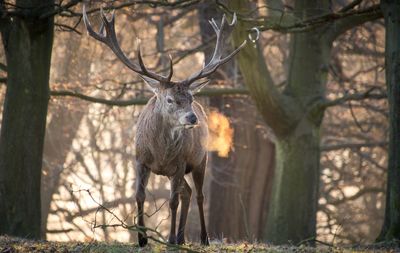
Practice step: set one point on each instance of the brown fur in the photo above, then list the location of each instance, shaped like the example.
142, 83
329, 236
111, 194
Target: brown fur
159, 146
165, 147
164, 144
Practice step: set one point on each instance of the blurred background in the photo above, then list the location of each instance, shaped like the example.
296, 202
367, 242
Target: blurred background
90, 145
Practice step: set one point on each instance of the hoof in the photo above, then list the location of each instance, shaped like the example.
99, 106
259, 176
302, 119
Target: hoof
172, 239
142, 241
204, 240
181, 240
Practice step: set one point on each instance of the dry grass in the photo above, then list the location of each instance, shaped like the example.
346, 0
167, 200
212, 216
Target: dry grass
12, 245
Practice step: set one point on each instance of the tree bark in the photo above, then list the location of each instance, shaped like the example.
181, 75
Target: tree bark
292, 215
28, 44
295, 117
391, 13
240, 184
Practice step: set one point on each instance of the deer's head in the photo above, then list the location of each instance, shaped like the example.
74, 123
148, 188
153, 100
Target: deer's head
174, 98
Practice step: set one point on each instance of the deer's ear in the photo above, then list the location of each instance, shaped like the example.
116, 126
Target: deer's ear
154, 85
197, 86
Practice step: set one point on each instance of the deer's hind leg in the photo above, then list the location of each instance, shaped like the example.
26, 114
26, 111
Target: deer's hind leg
185, 195
198, 179
142, 177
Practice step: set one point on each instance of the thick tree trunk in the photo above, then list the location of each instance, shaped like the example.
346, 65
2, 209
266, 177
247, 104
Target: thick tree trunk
240, 184
295, 116
391, 226
292, 215
28, 45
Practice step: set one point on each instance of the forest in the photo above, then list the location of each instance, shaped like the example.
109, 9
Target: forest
301, 100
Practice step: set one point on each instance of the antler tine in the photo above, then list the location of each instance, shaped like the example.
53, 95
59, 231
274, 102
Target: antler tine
110, 39
140, 59
107, 24
89, 28
234, 19
223, 31
171, 69
220, 37
214, 25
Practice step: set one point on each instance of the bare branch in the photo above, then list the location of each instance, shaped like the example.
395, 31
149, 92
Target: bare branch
351, 5
340, 21
128, 102
140, 229
354, 97
327, 148
67, 28
66, 9
357, 195
352, 19
143, 101
59, 231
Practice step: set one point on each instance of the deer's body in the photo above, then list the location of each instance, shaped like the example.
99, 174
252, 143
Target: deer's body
160, 145
171, 140
171, 134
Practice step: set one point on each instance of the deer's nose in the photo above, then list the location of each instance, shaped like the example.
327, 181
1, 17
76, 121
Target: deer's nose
192, 118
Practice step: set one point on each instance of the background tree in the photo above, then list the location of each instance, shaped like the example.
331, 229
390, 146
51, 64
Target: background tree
27, 42
240, 180
391, 13
294, 113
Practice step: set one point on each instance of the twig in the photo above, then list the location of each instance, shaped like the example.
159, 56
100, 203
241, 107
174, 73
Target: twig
355, 97
327, 148
136, 228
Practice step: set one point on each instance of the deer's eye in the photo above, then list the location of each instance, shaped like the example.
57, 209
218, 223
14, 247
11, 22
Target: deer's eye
169, 100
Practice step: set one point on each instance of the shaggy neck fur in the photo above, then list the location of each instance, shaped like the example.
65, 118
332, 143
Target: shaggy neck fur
169, 137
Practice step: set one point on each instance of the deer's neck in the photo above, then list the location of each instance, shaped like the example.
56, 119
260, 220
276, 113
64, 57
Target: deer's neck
168, 131
168, 138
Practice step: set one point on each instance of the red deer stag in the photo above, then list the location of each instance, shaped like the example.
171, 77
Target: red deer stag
172, 131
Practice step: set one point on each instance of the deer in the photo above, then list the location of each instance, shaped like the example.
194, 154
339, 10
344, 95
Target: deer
172, 132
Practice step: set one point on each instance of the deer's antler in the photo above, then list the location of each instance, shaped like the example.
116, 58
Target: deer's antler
109, 38
222, 32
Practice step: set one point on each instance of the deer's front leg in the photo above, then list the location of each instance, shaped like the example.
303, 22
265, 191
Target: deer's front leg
176, 188
142, 177
186, 193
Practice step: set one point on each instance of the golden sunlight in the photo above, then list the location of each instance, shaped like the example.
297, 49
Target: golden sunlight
221, 134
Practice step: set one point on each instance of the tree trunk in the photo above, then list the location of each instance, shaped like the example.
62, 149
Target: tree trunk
240, 183
292, 215
295, 117
391, 226
28, 45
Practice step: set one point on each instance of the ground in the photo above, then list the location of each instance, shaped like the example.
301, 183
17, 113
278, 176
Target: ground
13, 245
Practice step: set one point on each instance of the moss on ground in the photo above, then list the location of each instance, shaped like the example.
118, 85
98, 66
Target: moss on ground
14, 245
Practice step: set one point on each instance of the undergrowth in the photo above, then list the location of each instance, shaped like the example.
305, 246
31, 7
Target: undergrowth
14, 245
